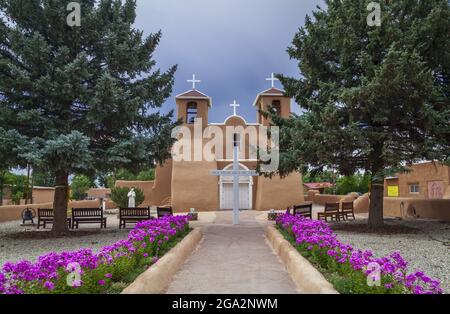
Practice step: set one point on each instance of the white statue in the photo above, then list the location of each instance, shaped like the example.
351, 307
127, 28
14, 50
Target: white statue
131, 198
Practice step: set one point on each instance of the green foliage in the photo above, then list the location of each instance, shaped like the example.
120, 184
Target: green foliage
80, 99
124, 174
374, 98
355, 183
79, 187
146, 175
119, 196
43, 177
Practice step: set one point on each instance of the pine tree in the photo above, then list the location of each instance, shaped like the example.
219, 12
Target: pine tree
85, 98
375, 98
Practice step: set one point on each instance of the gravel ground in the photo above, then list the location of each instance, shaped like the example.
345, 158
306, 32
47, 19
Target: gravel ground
12, 249
424, 250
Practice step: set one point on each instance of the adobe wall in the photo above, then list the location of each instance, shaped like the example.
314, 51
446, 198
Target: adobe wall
422, 174
194, 187
162, 187
13, 212
277, 193
420, 208
99, 193
43, 195
322, 199
408, 207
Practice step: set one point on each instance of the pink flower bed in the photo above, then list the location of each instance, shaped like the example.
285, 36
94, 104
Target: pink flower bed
84, 271
317, 240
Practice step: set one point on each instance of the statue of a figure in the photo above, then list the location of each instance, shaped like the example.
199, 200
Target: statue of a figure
132, 198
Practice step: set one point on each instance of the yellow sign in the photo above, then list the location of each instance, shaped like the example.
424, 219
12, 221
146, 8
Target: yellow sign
393, 191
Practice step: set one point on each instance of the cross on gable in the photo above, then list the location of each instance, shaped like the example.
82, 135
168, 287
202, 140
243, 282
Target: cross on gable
194, 81
234, 105
272, 79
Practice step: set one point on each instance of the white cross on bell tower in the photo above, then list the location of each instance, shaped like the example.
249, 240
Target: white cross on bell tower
234, 105
272, 79
194, 81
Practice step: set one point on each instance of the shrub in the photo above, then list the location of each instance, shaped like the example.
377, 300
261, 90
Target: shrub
79, 187
119, 196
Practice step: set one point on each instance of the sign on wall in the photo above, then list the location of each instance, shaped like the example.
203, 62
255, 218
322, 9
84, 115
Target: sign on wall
393, 191
435, 189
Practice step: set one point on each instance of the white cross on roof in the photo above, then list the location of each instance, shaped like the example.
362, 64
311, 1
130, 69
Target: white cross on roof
272, 79
194, 81
234, 105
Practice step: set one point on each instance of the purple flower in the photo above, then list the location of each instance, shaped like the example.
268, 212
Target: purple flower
108, 276
101, 282
49, 285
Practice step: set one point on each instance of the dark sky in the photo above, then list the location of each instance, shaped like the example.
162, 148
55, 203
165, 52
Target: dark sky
231, 45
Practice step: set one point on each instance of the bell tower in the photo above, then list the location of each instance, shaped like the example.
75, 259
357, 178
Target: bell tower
193, 104
272, 97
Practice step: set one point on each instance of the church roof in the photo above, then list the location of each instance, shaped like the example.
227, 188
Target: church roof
194, 94
269, 92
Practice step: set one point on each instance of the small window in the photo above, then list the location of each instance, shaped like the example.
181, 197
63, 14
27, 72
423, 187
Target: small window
276, 105
191, 113
236, 140
414, 188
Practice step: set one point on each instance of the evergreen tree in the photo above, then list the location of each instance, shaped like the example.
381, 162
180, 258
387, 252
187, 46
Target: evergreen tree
375, 98
85, 98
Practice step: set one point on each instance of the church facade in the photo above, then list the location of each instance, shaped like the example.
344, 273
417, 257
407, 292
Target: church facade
186, 183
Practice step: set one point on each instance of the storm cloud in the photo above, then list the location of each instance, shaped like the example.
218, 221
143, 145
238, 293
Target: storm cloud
231, 45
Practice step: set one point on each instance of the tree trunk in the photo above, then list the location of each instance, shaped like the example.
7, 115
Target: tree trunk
377, 187
2, 188
60, 203
376, 205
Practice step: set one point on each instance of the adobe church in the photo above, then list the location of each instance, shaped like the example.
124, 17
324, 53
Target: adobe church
189, 184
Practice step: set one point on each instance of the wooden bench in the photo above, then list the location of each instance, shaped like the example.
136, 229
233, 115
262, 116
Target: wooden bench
133, 215
87, 216
164, 211
347, 210
304, 210
331, 210
46, 216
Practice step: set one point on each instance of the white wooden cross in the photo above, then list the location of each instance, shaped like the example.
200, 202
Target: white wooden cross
234, 105
236, 173
194, 81
272, 79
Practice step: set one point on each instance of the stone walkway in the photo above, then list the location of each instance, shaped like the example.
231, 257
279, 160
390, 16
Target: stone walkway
233, 259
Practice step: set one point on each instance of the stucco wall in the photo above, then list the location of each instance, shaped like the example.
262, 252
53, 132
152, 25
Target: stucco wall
43, 195
408, 207
277, 193
194, 187
99, 193
420, 174
322, 199
13, 212
361, 204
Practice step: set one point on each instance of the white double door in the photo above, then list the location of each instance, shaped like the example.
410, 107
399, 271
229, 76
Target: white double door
244, 196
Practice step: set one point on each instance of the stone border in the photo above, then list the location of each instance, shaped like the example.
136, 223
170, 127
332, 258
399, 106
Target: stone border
307, 278
157, 278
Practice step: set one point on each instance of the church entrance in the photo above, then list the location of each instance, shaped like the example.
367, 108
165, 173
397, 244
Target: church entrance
245, 190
